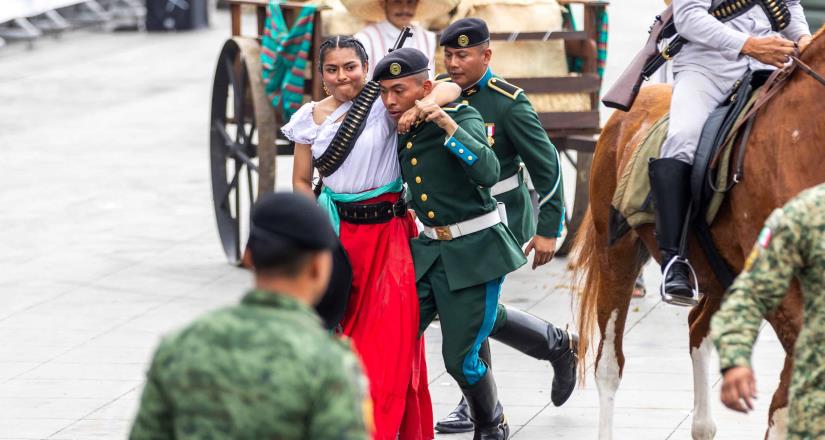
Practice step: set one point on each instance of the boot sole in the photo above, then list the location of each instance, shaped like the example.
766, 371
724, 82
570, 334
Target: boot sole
449, 430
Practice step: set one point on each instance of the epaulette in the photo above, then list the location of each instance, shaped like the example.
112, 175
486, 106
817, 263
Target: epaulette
503, 87
453, 107
444, 77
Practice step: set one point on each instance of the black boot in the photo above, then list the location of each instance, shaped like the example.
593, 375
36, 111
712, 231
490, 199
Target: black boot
485, 409
459, 420
670, 187
538, 338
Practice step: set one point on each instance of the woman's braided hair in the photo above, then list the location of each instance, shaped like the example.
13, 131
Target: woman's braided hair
341, 42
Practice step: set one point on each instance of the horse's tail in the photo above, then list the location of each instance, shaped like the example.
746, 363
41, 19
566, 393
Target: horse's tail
587, 280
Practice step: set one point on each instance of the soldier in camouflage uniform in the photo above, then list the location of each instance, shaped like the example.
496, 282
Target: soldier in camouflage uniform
792, 244
265, 368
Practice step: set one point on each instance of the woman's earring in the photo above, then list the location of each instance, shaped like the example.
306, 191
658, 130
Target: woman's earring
326, 90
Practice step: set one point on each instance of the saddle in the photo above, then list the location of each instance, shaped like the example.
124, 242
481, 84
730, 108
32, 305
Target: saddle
711, 176
716, 131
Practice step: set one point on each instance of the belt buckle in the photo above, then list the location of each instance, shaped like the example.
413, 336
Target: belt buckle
443, 233
399, 209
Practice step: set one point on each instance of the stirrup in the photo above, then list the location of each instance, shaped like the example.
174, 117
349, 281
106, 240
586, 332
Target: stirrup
679, 300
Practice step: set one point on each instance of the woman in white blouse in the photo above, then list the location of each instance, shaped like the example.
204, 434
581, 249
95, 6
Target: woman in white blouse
382, 313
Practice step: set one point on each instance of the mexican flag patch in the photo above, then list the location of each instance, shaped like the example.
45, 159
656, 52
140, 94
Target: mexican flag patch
764, 238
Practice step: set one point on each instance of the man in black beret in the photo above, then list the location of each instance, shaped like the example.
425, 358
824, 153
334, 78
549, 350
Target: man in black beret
466, 249
518, 139
264, 368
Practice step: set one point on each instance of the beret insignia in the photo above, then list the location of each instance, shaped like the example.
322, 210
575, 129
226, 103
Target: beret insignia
463, 40
395, 68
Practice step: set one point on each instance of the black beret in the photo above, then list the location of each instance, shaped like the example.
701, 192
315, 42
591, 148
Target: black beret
285, 223
466, 32
400, 63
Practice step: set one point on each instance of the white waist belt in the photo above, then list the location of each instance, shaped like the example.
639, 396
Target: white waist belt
466, 227
505, 185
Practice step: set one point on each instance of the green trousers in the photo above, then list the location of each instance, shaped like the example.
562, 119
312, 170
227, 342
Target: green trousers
468, 316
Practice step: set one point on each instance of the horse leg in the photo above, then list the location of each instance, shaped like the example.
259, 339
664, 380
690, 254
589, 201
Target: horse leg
701, 348
624, 261
786, 321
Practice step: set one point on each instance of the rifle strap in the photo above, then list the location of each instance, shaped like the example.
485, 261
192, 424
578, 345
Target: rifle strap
347, 134
777, 11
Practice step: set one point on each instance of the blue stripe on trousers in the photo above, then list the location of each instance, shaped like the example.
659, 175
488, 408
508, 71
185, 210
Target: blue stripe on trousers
474, 368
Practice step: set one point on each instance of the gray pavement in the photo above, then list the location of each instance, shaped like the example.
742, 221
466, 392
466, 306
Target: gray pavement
107, 242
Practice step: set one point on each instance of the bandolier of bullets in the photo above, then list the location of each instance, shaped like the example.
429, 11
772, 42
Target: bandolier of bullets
352, 126
776, 10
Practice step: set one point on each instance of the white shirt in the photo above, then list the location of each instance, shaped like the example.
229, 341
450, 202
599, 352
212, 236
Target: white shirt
373, 161
714, 48
378, 38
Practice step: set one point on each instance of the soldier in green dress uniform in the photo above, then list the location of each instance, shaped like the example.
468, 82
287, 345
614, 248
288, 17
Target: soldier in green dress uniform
791, 245
466, 249
518, 139
265, 368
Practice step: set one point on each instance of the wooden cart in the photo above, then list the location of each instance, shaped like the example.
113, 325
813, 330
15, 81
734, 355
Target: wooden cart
244, 126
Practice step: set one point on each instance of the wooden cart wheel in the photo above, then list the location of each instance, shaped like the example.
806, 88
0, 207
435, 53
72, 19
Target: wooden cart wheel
241, 140
576, 198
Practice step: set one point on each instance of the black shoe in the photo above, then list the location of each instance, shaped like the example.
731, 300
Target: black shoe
670, 187
485, 409
459, 420
541, 340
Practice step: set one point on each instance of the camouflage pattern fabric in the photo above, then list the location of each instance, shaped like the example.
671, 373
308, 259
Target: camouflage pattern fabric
264, 369
792, 245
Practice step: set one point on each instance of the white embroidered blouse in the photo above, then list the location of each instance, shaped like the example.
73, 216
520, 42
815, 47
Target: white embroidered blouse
373, 161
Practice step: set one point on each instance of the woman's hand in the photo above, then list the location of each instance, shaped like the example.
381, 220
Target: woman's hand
408, 119
431, 112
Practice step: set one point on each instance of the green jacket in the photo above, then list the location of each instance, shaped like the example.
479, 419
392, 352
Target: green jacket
792, 245
262, 369
516, 135
449, 183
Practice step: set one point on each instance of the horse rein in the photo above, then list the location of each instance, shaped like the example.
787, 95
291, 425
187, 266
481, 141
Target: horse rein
807, 69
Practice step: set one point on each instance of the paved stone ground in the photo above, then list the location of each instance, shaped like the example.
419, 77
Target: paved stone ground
107, 242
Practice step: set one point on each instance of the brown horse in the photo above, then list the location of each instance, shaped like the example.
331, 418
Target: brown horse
784, 157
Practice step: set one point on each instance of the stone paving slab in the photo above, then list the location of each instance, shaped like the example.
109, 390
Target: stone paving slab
107, 242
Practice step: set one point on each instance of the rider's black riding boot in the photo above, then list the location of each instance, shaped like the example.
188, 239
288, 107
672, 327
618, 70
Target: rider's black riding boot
459, 420
539, 339
485, 409
670, 187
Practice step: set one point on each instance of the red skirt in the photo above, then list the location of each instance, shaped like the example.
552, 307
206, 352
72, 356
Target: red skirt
382, 319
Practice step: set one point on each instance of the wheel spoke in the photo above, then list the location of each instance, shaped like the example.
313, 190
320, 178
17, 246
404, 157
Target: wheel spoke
251, 186
233, 184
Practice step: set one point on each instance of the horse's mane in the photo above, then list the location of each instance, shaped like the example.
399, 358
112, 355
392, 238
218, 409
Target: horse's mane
818, 39
820, 32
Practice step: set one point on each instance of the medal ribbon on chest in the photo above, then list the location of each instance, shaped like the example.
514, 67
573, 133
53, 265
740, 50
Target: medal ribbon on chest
491, 132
